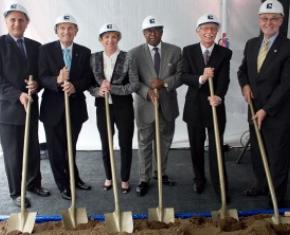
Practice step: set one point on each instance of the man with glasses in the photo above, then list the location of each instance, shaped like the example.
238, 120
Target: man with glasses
158, 65
202, 61
264, 78
18, 60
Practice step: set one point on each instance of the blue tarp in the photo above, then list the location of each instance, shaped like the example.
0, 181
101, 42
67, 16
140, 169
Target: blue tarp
96, 217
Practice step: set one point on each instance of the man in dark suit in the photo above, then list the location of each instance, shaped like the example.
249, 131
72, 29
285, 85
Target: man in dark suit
56, 78
159, 67
203, 61
18, 60
264, 78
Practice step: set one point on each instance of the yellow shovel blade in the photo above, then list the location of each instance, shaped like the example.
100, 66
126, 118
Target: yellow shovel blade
74, 216
167, 215
233, 213
119, 222
21, 222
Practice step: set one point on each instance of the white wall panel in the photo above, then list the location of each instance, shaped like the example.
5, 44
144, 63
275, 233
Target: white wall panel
178, 16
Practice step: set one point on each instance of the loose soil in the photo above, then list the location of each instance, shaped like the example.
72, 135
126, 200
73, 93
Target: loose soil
253, 225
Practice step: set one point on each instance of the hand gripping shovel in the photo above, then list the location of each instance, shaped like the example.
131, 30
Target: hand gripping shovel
117, 221
276, 219
159, 213
223, 212
23, 221
72, 216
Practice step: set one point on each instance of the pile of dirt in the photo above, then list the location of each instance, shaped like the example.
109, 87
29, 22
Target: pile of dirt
254, 225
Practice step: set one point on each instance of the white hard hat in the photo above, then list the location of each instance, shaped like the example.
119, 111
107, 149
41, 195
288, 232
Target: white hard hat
271, 6
15, 7
207, 18
151, 22
108, 27
65, 19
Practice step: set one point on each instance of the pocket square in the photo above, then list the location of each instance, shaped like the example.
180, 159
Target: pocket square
169, 64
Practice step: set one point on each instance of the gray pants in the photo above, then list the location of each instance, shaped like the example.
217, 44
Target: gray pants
146, 142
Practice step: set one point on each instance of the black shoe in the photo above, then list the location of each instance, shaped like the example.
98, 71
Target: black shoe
255, 192
166, 180
17, 202
198, 185
142, 189
66, 194
83, 186
40, 191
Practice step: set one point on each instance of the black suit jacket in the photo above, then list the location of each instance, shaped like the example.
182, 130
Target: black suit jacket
14, 69
271, 86
197, 111
50, 63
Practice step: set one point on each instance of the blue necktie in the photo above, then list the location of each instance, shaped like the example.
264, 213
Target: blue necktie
156, 60
67, 58
21, 46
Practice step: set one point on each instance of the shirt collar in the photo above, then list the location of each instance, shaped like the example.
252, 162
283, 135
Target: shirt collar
63, 47
115, 54
15, 39
203, 48
151, 47
272, 39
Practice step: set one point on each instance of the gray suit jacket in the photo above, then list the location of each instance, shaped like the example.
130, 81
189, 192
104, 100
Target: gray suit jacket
170, 72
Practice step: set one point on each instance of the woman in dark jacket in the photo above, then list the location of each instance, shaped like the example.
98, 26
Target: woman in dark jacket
114, 75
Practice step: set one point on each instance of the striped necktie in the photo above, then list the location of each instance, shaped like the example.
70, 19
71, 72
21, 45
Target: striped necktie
262, 54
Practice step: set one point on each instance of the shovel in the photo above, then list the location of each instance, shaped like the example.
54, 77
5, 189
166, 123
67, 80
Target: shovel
72, 216
276, 219
23, 221
159, 213
223, 212
116, 221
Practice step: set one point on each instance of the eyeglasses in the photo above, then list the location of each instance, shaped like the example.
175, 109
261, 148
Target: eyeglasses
270, 20
209, 28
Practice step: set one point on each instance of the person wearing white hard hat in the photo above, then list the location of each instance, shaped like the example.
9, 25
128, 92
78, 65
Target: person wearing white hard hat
264, 79
203, 61
64, 66
159, 68
18, 60
114, 76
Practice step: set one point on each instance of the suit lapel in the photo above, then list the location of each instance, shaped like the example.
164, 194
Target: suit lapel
197, 53
271, 54
58, 56
75, 58
164, 58
148, 60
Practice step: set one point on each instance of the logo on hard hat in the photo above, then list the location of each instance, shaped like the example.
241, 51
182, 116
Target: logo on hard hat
66, 17
13, 6
269, 5
152, 21
109, 26
210, 17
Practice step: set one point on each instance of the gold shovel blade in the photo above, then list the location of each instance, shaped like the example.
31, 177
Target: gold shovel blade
21, 222
233, 213
119, 222
74, 216
167, 215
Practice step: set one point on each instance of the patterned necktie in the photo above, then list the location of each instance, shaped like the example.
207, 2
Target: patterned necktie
262, 54
156, 60
67, 58
21, 46
206, 56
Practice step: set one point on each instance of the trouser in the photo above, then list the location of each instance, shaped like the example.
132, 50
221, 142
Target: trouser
123, 118
12, 139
